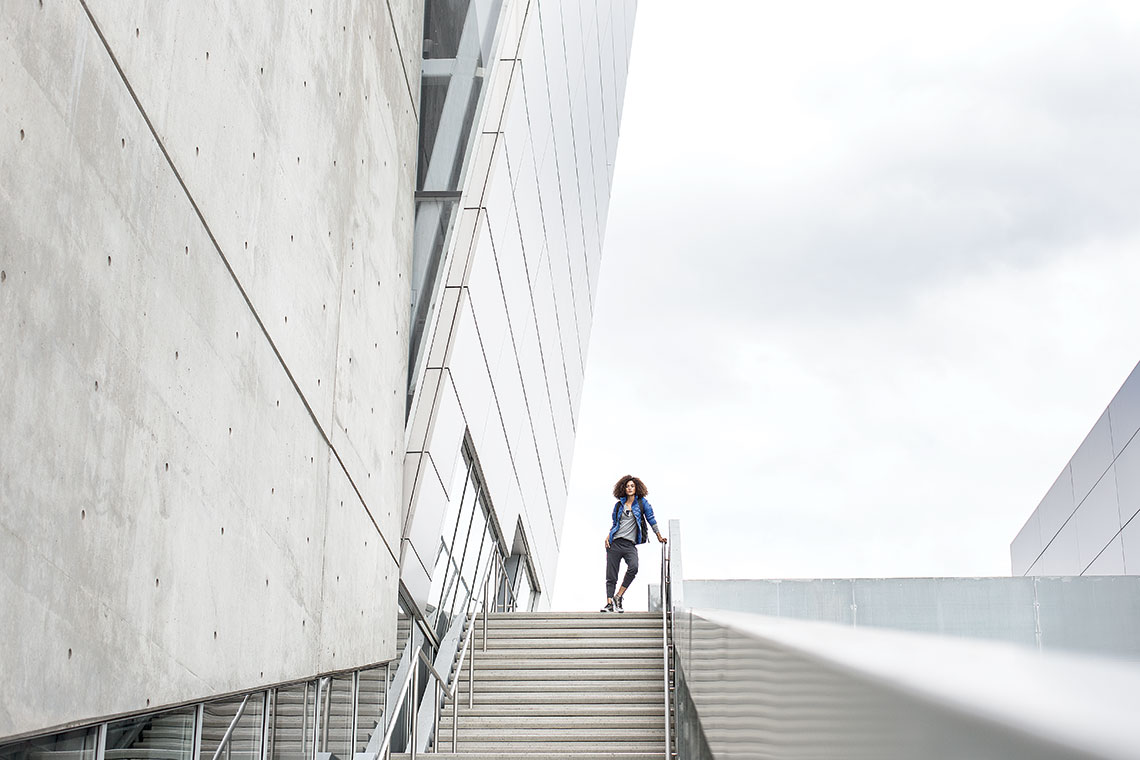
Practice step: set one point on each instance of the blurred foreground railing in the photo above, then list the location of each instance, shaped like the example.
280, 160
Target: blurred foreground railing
751, 687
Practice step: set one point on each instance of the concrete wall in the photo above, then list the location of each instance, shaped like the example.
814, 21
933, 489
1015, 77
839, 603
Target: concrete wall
205, 234
1094, 615
1086, 523
514, 305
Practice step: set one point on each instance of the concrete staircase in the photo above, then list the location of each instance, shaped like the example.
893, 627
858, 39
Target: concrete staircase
562, 685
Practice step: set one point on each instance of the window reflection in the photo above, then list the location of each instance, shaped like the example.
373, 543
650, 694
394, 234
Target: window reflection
334, 718
470, 542
458, 35
372, 688
291, 721
168, 735
244, 740
73, 745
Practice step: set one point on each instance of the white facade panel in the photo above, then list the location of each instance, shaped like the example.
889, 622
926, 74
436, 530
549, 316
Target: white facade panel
1127, 472
1130, 545
1124, 412
1092, 458
1088, 514
529, 211
1063, 556
533, 72
468, 367
447, 431
1026, 547
1110, 561
422, 533
485, 300
1097, 519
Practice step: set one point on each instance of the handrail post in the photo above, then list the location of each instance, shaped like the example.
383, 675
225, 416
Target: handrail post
415, 705
437, 712
665, 637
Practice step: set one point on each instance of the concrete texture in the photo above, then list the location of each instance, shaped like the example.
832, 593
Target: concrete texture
204, 320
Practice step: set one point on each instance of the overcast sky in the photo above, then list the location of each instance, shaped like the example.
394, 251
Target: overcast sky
871, 272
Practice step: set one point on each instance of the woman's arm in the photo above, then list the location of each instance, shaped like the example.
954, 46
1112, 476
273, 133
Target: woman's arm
648, 510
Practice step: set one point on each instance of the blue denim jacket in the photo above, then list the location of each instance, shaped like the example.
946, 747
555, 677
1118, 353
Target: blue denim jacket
641, 513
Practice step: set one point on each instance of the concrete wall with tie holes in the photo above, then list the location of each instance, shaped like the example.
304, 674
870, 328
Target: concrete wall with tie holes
205, 239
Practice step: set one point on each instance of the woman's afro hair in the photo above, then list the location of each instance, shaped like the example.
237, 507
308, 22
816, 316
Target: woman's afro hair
619, 487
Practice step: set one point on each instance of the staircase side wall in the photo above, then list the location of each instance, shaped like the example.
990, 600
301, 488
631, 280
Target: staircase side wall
205, 238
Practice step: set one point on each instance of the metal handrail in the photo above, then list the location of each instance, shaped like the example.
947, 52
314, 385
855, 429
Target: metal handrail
666, 602
386, 743
412, 679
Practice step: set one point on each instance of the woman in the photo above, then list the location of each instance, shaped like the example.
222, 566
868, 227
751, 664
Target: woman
631, 512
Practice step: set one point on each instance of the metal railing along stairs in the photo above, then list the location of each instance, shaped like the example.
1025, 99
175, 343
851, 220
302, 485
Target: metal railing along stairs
579, 686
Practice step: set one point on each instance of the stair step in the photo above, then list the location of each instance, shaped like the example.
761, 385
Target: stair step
521, 709
577, 664
575, 639
566, 725
561, 700
627, 621
546, 633
555, 627
577, 686
574, 616
566, 674
583, 653
566, 750
555, 738
530, 755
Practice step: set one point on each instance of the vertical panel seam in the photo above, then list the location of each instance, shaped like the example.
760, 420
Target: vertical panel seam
403, 64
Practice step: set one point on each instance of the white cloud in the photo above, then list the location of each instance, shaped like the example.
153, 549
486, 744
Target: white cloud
878, 266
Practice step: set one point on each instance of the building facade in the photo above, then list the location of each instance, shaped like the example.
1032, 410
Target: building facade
296, 302
1086, 524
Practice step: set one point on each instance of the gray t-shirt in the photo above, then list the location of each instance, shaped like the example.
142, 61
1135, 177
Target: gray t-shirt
627, 525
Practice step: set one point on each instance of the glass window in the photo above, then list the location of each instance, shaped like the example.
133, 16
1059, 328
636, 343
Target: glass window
244, 742
523, 587
458, 35
434, 218
169, 735
334, 716
73, 745
470, 537
371, 695
292, 715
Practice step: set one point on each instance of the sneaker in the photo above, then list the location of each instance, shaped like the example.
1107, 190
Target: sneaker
617, 604
609, 606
